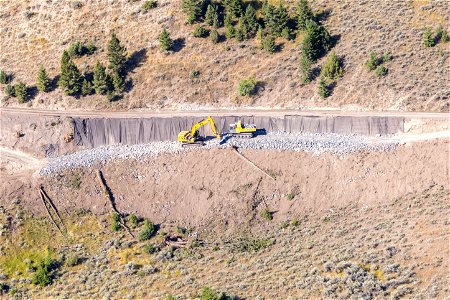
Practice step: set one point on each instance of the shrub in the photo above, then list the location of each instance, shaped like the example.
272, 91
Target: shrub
42, 275
444, 36
214, 36
332, 68
21, 92
90, 48
269, 44
295, 223
210, 294
73, 260
387, 57
373, 61
115, 226
305, 69
151, 249
170, 297
323, 90
76, 49
165, 40
381, 71
4, 78
195, 73
247, 87
147, 231
9, 90
149, 4
133, 220
266, 214
200, 32
43, 81
428, 38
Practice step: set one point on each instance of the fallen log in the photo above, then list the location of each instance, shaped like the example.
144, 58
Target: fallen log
251, 163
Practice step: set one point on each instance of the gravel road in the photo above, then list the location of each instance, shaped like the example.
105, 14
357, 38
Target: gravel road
312, 143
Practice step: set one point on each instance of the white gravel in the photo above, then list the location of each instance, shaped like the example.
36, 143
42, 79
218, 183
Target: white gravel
312, 143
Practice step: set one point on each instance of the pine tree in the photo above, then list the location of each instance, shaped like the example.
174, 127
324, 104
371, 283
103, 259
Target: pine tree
233, 8
231, 31
250, 19
70, 79
118, 83
260, 36
305, 69
216, 20
269, 44
243, 28
316, 41
4, 78
165, 40
211, 11
322, 88
193, 10
275, 18
9, 90
43, 81
428, 38
304, 13
116, 55
86, 88
21, 92
214, 36
101, 80
332, 68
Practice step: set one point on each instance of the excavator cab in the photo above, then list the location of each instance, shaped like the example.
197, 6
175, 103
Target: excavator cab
192, 137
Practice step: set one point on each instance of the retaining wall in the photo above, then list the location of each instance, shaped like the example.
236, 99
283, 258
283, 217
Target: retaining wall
94, 132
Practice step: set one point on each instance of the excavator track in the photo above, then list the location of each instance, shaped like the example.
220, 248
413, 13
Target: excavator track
246, 135
192, 145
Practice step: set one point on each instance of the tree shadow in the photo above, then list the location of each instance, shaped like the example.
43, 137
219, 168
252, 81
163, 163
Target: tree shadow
331, 87
334, 39
128, 85
54, 83
315, 72
178, 44
323, 15
32, 92
136, 60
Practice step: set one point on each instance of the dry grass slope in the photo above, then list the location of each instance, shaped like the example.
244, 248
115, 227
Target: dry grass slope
36, 32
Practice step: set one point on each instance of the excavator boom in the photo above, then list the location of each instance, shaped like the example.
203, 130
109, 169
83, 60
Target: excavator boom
192, 138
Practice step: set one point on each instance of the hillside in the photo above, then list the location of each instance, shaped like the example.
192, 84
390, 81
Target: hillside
37, 32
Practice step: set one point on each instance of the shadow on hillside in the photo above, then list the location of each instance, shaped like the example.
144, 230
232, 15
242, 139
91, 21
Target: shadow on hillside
323, 15
32, 92
136, 60
54, 83
178, 44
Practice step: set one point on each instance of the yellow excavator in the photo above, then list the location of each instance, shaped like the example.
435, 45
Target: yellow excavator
192, 137
242, 131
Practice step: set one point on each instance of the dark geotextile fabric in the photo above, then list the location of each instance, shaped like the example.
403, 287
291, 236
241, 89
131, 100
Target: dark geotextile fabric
94, 132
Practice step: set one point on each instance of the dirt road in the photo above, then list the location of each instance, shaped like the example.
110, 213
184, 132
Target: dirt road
228, 112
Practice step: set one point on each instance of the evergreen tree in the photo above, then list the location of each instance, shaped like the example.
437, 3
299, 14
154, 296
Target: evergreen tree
275, 18
231, 31
193, 10
322, 88
211, 11
305, 69
116, 55
250, 19
86, 88
43, 81
216, 20
332, 68
233, 8
243, 28
316, 41
214, 36
239, 35
21, 92
260, 36
304, 13
428, 38
165, 40
101, 80
118, 83
70, 79
9, 90
4, 78
269, 44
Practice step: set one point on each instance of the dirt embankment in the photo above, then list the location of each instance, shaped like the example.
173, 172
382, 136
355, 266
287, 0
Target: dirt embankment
215, 186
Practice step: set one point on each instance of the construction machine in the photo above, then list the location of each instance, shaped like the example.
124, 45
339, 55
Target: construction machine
192, 137
241, 130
